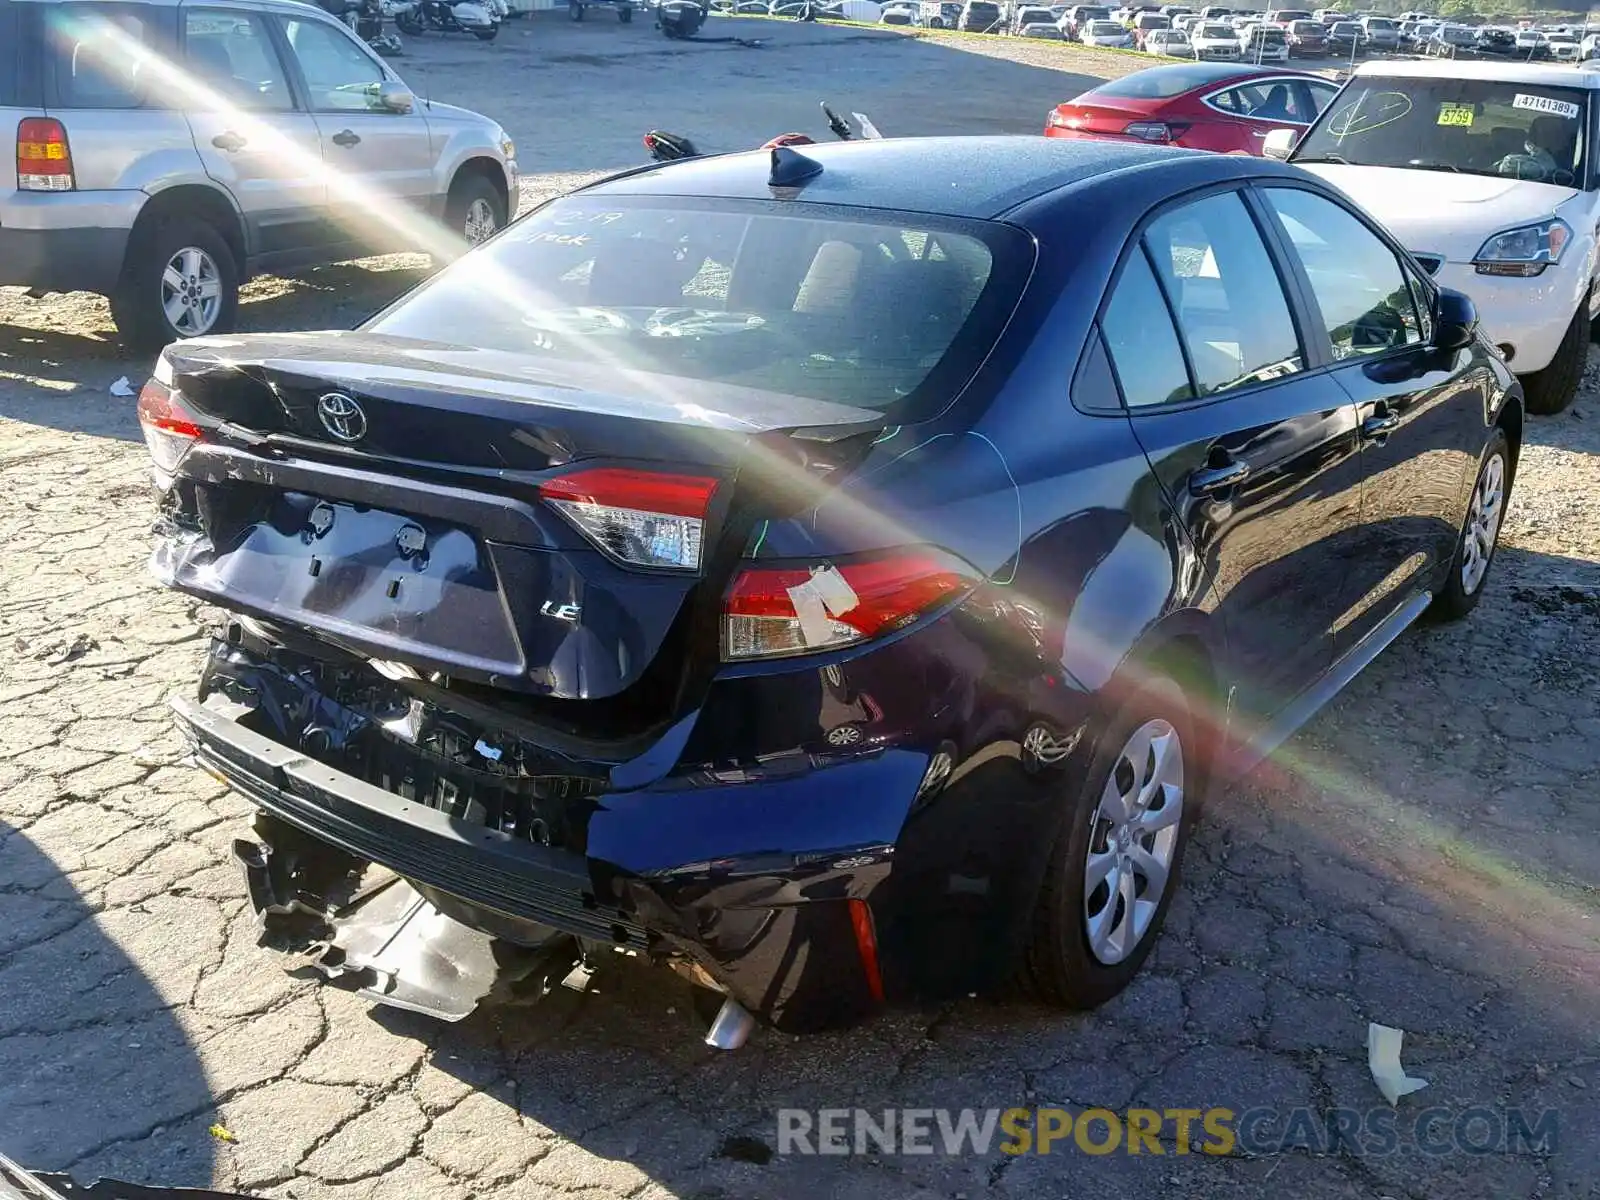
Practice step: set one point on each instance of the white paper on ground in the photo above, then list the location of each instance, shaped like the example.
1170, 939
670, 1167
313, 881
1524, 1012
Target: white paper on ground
1383, 1060
834, 590
121, 387
815, 629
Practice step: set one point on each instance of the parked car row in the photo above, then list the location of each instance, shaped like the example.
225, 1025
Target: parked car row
1413, 142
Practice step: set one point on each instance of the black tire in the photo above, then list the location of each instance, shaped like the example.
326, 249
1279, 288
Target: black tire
1457, 598
487, 35
465, 192
136, 304
575, 10
625, 14
1060, 968
411, 23
1551, 390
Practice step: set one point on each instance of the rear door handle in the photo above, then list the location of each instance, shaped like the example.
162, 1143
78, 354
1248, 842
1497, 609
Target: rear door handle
1208, 481
346, 137
229, 141
1380, 425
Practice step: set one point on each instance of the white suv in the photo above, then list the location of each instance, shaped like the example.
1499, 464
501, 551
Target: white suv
1486, 172
167, 150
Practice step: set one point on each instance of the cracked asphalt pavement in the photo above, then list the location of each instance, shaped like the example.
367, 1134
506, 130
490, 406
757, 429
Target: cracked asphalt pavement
1423, 854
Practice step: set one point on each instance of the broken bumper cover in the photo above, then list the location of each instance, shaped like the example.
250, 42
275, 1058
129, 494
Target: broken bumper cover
772, 929
482, 866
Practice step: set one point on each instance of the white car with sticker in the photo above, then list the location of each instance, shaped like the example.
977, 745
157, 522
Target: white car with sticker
1487, 172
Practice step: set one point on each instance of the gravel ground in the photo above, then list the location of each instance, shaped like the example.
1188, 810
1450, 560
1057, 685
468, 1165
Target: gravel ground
1424, 854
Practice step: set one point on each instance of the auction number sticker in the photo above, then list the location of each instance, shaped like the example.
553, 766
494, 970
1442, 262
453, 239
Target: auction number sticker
1546, 104
1456, 114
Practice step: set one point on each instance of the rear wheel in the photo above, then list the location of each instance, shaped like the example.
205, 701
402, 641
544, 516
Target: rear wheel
180, 281
625, 14
575, 10
487, 35
1117, 859
1550, 391
410, 23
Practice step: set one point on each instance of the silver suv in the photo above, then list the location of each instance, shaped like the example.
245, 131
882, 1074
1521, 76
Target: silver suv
168, 150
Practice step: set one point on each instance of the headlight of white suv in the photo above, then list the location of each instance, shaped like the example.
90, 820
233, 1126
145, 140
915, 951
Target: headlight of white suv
1525, 251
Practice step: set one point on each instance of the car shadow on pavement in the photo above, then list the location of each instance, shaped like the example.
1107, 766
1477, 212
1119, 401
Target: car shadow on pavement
92, 1051
1422, 856
61, 380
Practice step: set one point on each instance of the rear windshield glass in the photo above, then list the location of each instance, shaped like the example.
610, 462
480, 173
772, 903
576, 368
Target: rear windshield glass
1302, 28
1106, 29
1160, 82
94, 53
893, 313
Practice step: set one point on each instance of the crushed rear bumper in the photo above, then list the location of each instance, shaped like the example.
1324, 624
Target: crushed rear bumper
482, 866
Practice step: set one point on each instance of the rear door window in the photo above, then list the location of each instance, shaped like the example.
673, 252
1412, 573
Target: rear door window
96, 55
1141, 341
1268, 100
230, 55
1231, 308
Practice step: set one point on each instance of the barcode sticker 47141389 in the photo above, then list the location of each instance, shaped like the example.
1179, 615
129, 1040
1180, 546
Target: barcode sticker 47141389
1546, 104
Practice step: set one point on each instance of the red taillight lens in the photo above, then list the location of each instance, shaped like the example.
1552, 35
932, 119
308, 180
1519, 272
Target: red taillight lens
647, 518
44, 160
1149, 131
776, 611
169, 429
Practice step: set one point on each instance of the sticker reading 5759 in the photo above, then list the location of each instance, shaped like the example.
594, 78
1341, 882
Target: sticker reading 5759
1547, 104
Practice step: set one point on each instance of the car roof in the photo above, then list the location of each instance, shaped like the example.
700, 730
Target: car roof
1549, 75
972, 177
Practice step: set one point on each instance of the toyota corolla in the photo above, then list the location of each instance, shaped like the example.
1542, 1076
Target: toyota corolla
836, 575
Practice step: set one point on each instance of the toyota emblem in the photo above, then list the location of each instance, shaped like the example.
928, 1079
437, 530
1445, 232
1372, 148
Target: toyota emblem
342, 417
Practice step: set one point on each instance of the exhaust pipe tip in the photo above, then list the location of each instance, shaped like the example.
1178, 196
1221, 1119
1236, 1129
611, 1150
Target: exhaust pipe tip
732, 1026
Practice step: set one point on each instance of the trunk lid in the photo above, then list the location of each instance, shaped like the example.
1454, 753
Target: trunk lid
385, 494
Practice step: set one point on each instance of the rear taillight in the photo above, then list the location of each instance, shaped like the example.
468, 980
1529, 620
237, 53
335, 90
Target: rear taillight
169, 428
646, 518
44, 160
777, 611
1150, 131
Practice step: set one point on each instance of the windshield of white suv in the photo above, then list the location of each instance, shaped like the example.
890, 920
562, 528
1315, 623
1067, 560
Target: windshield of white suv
884, 313
1468, 126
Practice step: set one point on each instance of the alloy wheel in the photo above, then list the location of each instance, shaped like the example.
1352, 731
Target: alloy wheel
480, 224
1133, 837
191, 292
1483, 523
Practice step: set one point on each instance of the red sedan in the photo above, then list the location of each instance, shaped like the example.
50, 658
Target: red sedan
1226, 107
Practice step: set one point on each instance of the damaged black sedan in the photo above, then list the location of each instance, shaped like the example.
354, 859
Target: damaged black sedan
836, 576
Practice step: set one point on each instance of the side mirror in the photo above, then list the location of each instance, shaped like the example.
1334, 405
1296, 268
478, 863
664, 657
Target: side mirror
1280, 144
396, 98
1455, 320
